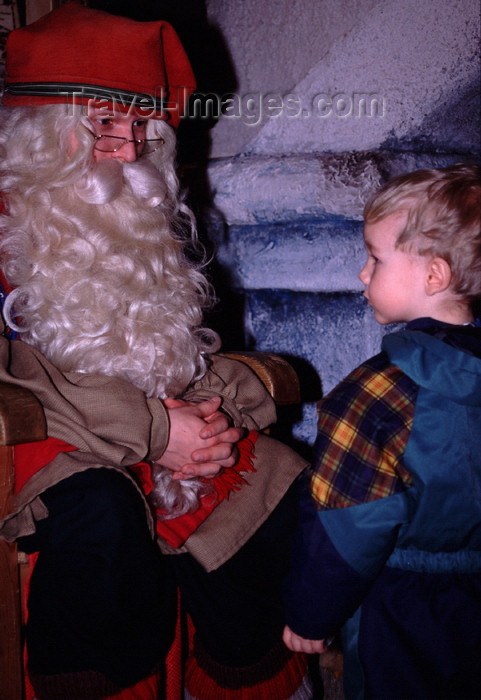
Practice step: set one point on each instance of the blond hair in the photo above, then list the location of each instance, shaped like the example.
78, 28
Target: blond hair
443, 219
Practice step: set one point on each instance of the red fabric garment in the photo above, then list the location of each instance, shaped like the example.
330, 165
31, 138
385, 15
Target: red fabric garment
174, 662
3, 281
33, 456
176, 530
141, 63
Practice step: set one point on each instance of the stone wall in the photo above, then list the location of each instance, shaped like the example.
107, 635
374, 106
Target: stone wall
342, 96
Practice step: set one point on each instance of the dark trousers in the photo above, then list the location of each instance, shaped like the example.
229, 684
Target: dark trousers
237, 610
100, 598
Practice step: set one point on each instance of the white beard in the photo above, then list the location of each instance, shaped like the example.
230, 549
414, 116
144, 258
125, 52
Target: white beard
102, 284
101, 281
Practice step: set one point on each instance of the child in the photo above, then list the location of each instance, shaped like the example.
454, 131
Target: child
390, 543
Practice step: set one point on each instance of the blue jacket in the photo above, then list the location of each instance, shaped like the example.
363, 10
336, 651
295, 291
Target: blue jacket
402, 574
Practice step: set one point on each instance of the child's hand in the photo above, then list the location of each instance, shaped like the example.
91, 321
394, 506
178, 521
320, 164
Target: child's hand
201, 440
307, 646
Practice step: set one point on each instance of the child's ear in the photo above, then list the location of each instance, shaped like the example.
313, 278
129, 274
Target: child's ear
438, 276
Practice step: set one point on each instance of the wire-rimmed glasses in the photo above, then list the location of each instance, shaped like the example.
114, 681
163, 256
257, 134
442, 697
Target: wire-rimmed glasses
111, 144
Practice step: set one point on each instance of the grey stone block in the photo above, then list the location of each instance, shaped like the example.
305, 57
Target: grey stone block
317, 255
324, 335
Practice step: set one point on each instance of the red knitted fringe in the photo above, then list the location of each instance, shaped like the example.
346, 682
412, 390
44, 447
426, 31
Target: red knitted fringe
282, 686
175, 531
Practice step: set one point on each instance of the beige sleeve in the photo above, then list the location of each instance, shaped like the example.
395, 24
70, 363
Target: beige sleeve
104, 416
244, 397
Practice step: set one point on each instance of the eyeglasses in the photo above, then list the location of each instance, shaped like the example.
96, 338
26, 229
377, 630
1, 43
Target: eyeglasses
111, 144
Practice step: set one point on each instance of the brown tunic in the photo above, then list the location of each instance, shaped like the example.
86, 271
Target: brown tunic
114, 425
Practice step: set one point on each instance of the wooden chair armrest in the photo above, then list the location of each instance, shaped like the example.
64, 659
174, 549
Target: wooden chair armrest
277, 375
21, 416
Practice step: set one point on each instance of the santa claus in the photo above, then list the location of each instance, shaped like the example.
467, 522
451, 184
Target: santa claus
97, 253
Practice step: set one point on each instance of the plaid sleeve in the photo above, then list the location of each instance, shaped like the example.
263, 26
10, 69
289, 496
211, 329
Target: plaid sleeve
364, 425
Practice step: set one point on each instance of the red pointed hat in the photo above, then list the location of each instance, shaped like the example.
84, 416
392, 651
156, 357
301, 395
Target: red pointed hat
78, 54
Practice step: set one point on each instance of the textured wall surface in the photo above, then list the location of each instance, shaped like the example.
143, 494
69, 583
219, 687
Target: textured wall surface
332, 98
421, 57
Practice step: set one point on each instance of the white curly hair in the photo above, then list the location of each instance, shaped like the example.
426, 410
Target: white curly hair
96, 253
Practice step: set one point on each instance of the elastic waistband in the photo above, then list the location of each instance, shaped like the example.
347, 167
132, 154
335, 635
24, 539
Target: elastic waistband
465, 562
